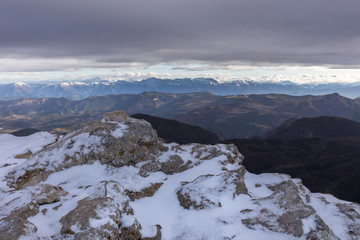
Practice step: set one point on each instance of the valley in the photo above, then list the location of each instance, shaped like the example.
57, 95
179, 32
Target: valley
235, 116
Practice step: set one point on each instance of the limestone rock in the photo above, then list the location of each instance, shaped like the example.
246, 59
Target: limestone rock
353, 219
24, 155
175, 164
116, 140
16, 224
131, 232
145, 192
17, 227
206, 190
48, 194
97, 216
286, 196
206, 152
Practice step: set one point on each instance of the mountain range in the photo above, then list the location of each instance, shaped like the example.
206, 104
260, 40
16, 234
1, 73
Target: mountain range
236, 116
97, 87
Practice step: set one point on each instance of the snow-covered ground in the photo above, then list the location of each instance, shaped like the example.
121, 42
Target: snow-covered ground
227, 219
11, 146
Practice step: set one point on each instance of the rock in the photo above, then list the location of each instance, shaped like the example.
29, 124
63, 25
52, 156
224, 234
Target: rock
14, 228
78, 220
353, 219
49, 194
206, 190
286, 196
153, 166
206, 152
116, 140
174, 164
98, 215
117, 116
131, 232
321, 231
30, 177
24, 155
145, 192
16, 224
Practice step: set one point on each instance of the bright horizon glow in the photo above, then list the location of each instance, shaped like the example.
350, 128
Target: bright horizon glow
296, 74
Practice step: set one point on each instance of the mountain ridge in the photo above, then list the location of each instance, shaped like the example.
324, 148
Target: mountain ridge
77, 90
236, 116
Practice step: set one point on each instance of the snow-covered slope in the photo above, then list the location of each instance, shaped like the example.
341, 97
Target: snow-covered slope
115, 179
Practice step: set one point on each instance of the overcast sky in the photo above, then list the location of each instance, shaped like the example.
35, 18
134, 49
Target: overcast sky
87, 37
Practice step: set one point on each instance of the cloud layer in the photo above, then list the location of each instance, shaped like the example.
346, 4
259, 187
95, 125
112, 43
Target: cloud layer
109, 33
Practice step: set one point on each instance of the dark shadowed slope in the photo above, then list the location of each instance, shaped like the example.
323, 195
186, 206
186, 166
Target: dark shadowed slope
324, 152
25, 132
320, 127
174, 131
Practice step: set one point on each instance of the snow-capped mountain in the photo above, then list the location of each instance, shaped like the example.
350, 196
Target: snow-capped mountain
115, 179
98, 87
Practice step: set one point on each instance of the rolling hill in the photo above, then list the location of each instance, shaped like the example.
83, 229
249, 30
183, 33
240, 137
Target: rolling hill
237, 116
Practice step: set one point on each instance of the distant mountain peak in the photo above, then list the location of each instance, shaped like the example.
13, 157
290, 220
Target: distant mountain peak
82, 89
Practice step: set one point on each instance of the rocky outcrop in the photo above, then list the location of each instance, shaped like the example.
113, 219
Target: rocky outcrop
115, 179
48, 194
203, 193
290, 212
16, 224
116, 140
97, 216
145, 192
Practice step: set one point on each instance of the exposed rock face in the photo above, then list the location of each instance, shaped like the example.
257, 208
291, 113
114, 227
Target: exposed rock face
131, 232
49, 194
16, 224
145, 192
115, 140
293, 211
115, 179
200, 194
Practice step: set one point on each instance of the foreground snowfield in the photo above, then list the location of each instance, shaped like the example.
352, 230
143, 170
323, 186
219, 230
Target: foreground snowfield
83, 187
11, 146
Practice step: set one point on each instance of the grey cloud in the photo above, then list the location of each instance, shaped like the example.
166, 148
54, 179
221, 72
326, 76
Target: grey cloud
305, 32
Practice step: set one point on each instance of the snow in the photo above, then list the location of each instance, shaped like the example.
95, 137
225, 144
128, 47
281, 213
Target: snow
85, 185
120, 130
214, 222
10, 146
52, 159
308, 224
256, 184
330, 213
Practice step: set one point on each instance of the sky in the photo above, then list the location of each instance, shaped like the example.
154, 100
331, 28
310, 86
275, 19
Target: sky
307, 40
